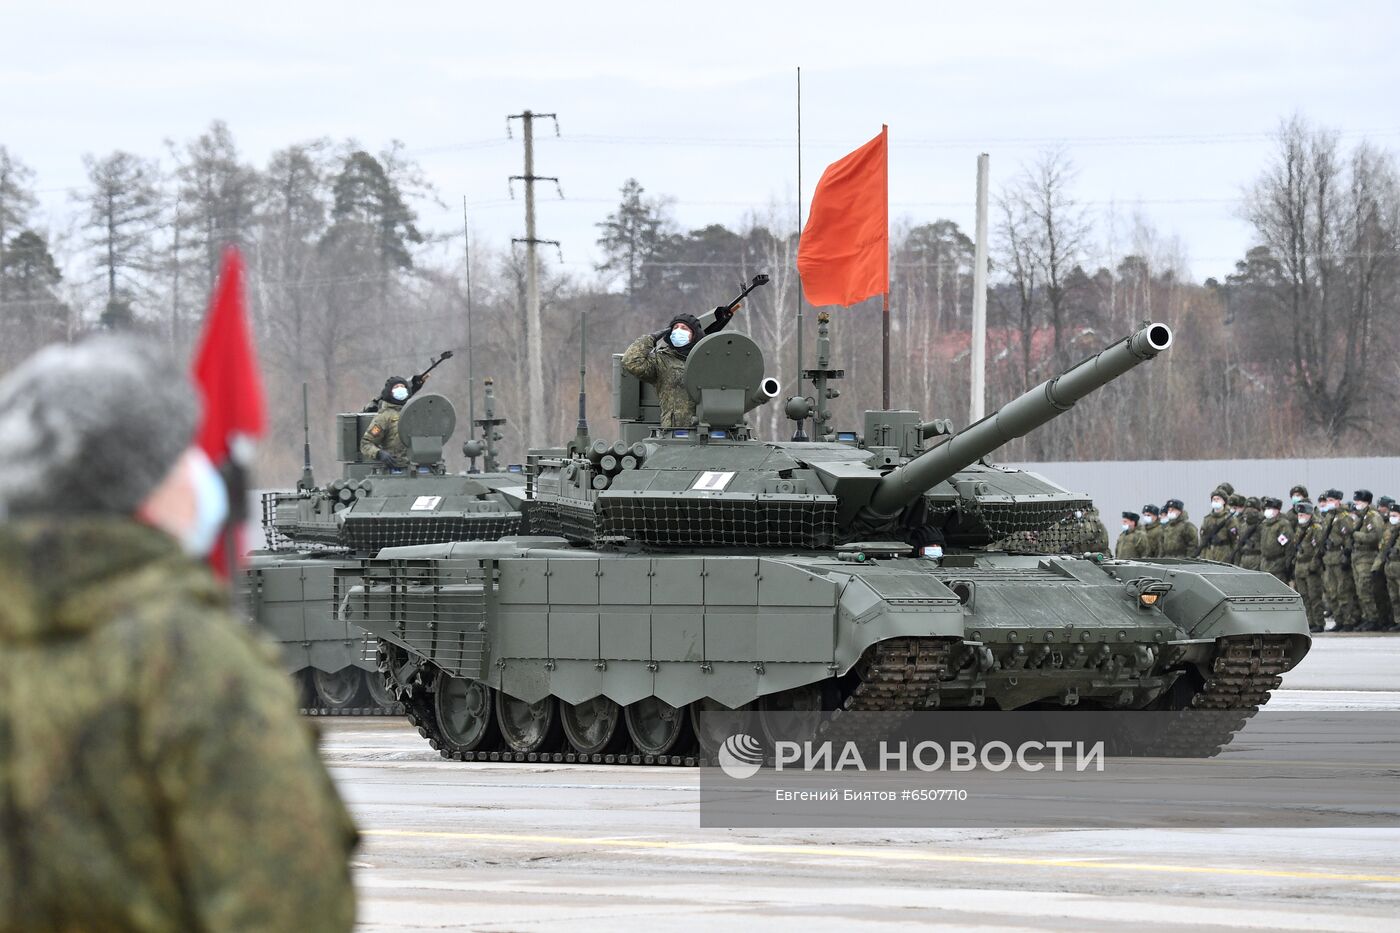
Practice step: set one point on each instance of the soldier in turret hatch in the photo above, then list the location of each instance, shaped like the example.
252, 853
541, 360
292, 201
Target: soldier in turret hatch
381, 440
659, 359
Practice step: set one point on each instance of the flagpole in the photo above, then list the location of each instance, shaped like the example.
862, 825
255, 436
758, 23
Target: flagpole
799, 434
885, 310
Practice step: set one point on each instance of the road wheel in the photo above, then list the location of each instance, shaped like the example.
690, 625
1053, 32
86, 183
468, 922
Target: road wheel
714, 722
339, 690
658, 728
529, 727
793, 715
594, 727
465, 714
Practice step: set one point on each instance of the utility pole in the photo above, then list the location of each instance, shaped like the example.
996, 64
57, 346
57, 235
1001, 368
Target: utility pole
535, 363
467, 249
979, 298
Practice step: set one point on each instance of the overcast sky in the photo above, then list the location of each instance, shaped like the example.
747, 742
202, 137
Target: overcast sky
1166, 108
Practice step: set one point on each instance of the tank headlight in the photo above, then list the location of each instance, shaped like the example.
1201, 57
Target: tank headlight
1148, 599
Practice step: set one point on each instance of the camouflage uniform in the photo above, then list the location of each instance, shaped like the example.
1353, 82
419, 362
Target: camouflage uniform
1216, 543
1337, 582
1150, 538
1278, 542
153, 773
1389, 558
658, 363
1247, 540
383, 434
1369, 528
1130, 545
1179, 537
1307, 571
1234, 528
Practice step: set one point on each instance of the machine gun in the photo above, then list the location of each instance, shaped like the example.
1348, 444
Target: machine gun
709, 317
1245, 538
417, 381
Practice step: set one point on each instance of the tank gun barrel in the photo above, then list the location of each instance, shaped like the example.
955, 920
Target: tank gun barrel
1016, 418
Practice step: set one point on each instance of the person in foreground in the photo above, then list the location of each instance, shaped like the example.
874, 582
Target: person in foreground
153, 772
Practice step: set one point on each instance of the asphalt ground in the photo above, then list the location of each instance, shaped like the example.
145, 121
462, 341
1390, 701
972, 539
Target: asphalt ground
451, 846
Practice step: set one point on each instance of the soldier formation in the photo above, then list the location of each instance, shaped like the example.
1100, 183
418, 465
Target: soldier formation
1344, 562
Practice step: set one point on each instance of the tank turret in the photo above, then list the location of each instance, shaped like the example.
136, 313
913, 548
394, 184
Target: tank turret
713, 485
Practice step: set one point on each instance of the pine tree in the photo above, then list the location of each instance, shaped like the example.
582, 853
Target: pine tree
123, 211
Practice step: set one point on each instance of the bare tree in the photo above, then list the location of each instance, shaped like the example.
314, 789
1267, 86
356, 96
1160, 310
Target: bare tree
1332, 224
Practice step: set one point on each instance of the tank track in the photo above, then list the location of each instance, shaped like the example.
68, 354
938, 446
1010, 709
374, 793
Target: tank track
396, 710
1240, 678
902, 676
896, 678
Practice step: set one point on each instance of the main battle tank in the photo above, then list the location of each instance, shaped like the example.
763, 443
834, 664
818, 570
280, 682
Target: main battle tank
698, 570
320, 529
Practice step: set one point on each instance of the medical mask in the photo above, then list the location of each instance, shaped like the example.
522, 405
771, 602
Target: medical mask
1216, 505
210, 509
400, 393
1127, 527
1236, 509
680, 337
933, 551
1147, 520
1358, 506
1394, 519
1271, 513
1297, 499
1324, 507
1171, 516
1304, 518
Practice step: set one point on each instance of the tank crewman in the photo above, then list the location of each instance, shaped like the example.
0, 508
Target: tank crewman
659, 359
1368, 529
1215, 529
154, 774
1150, 532
1178, 532
1246, 553
1278, 540
1390, 566
381, 439
1337, 582
1307, 565
1130, 541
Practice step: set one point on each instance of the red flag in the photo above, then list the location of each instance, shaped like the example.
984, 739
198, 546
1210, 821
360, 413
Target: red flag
844, 254
230, 383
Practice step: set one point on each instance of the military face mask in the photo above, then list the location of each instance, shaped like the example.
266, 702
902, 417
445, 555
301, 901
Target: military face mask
1297, 499
1304, 518
1395, 518
1148, 519
680, 337
1127, 527
1358, 505
1271, 513
1217, 504
400, 393
1171, 516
